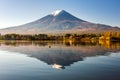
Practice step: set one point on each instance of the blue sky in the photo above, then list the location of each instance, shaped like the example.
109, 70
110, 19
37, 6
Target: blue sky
17, 12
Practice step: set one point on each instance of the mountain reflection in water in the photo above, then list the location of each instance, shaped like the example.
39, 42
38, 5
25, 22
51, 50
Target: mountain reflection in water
60, 54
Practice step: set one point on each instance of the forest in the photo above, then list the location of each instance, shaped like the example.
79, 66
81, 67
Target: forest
111, 36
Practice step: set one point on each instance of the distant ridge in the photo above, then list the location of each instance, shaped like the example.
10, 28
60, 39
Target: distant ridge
60, 21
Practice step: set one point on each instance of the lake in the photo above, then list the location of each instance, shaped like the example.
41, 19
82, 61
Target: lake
35, 60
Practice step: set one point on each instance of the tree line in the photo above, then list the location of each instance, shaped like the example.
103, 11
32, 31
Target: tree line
114, 36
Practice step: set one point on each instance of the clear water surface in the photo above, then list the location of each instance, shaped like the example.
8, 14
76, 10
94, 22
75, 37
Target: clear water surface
59, 61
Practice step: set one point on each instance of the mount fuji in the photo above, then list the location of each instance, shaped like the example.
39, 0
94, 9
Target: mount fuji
59, 21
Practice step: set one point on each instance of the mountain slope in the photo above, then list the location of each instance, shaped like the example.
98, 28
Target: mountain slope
59, 20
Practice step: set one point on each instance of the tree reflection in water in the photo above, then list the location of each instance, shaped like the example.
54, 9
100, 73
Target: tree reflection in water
60, 54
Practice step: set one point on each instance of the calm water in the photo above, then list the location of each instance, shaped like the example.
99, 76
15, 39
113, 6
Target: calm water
59, 61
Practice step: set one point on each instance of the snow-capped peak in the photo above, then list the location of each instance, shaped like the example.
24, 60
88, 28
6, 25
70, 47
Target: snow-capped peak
56, 12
